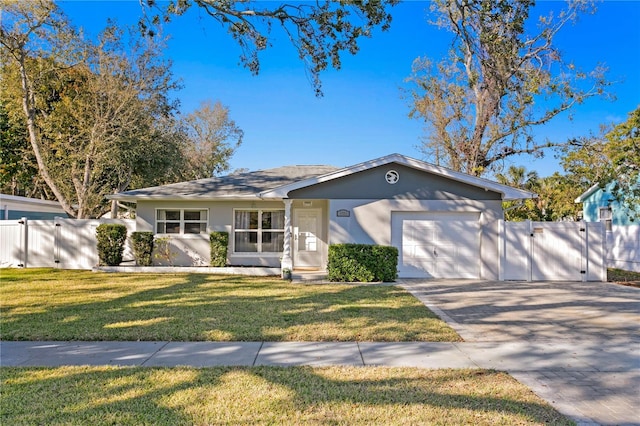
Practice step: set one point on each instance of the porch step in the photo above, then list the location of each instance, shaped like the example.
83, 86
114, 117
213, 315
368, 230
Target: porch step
309, 276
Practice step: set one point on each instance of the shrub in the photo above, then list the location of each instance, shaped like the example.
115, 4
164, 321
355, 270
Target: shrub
219, 243
362, 263
111, 238
143, 248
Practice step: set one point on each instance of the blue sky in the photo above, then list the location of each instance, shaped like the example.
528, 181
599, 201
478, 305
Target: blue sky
364, 114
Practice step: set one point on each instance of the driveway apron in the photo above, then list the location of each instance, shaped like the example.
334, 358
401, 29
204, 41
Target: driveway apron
577, 345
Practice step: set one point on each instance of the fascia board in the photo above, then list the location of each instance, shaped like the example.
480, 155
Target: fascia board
28, 201
587, 193
283, 191
133, 198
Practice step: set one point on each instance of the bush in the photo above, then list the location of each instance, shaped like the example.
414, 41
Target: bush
219, 243
362, 263
143, 248
111, 238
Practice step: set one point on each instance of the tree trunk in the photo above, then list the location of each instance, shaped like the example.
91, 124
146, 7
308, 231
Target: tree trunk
28, 100
114, 209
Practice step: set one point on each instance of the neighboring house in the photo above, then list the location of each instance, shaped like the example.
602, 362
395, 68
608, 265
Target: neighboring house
621, 223
13, 207
444, 223
599, 205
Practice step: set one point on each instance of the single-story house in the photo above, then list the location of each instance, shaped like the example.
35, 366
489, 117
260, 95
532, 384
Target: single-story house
599, 205
13, 207
444, 223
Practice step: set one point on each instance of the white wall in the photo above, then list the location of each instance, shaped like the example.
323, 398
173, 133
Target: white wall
623, 247
59, 243
552, 251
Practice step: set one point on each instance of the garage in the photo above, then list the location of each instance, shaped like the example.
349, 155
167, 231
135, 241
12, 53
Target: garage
437, 244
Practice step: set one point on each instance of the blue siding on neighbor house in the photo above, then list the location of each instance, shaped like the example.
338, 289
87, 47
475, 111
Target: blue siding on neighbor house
602, 198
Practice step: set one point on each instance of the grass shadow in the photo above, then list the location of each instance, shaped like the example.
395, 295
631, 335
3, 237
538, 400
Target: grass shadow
267, 395
196, 307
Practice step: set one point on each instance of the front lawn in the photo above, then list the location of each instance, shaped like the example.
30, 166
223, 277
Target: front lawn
267, 395
49, 304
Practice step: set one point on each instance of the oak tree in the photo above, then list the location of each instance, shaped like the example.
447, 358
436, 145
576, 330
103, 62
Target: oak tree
210, 139
503, 76
320, 31
91, 110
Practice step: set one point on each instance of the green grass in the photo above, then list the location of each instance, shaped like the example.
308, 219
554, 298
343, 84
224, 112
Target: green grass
267, 395
49, 304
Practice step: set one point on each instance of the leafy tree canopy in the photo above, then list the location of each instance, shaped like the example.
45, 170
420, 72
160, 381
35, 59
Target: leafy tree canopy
623, 151
610, 159
95, 115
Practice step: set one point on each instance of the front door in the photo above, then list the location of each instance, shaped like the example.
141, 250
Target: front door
307, 245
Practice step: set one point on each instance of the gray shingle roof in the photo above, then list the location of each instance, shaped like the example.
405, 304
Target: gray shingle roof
242, 185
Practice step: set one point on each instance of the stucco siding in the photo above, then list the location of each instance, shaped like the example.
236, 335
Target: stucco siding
412, 185
369, 222
193, 249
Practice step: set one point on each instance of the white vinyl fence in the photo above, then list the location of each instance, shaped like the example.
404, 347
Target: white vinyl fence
623, 247
529, 251
552, 251
60, 243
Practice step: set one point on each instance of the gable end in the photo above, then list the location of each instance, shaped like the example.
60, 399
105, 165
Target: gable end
411, 184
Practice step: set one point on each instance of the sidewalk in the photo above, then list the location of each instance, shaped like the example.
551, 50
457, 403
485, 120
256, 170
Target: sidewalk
569, 375
507, 356
207, 354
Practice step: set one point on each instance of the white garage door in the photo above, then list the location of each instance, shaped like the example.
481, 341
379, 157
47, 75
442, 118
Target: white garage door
437, 244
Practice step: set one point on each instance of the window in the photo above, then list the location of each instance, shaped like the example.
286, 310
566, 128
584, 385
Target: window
605, 215
181, 221
258, 231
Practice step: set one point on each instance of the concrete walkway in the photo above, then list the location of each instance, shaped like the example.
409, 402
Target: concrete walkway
577, 345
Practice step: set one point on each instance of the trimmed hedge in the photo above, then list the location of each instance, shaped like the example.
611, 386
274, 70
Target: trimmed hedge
111, 238
219, 243
142, 247
362, 263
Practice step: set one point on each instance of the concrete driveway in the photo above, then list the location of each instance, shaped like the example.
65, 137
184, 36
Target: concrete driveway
577, 345
509, 311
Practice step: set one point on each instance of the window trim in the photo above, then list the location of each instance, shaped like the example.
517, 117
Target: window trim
258, 232
181, 221
607, 218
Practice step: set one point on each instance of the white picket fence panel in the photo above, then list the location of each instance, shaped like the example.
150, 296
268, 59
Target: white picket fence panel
552, 251
60, 243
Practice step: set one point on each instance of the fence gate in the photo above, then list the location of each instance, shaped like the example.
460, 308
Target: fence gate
552, 251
